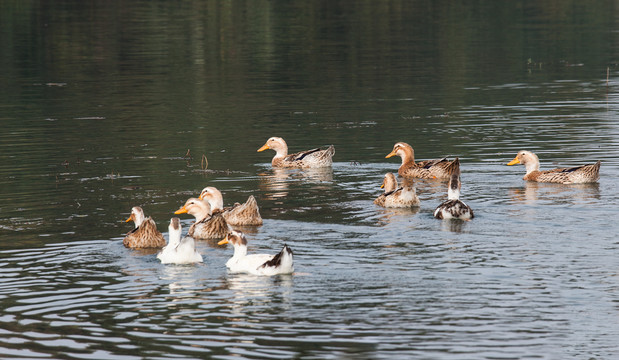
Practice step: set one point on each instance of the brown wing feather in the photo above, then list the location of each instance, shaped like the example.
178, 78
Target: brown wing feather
145, 236
212, 227
244, 214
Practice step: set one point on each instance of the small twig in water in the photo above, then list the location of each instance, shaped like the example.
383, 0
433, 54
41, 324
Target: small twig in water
204, 162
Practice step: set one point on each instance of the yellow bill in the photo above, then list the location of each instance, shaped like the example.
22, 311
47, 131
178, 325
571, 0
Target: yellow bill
224, 241
514, 162
264, 147
390, 154
182, 210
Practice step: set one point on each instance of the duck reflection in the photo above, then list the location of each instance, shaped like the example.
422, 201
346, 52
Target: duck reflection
252, 290
532, 192
275, 183
453, 225
394, 215
183, 279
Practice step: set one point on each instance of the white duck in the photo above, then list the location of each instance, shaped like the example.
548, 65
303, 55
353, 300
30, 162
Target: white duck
256, 264
454, 208
179, 251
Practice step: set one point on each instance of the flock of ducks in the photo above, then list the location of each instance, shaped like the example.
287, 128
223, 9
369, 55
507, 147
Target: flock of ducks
214, 221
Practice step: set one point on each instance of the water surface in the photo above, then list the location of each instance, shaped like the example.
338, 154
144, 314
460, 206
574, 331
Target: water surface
108, 106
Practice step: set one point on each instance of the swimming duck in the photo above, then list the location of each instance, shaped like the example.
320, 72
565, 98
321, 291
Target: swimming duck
256, 264
575, 175
145, 234
208, 225
395, 197
305, 159
454, 208
245, 214
429, 169
179, 251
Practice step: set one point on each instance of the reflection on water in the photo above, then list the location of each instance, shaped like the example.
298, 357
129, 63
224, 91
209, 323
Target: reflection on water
533, 192
275, 184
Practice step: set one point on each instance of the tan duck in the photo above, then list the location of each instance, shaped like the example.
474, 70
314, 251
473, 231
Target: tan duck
145, 234
208, 225
576, 175
236, 215
305, 159
429, 169
454, 208
395, 197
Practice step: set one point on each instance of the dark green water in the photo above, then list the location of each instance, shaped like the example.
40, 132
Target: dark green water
101, 102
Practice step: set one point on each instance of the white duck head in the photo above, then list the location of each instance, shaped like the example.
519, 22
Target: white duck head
196, 207
213, 197
137, 216
278, 144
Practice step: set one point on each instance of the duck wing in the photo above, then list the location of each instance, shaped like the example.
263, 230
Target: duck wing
244, 214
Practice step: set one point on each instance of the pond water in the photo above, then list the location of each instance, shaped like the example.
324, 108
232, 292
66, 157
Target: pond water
110, 105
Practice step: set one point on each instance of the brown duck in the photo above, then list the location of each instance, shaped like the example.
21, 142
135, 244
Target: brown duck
575, 175
429, 169
145, 234
314, 158
208, 225
395, 197
236, 215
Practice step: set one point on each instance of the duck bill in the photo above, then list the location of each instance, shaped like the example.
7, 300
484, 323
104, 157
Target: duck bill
264, 147
390, 154
382, 186
182, 210
514, 162
224, 241
201, 197
129, 219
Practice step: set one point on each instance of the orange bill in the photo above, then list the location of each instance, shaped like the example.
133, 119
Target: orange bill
264, 147
224, 241
129, 219
390, 154
514, 162
182, 210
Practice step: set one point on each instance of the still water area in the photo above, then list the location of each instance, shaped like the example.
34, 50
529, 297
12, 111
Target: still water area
110, 105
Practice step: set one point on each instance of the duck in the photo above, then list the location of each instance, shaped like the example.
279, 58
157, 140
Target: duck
395, 197
583, 174
236, 215
454, 208
429, 169
256, 264
145, 234
208, 225
313, 158
179, 251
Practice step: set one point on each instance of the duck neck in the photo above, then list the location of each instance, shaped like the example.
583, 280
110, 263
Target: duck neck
390, 184
175, 238
408, 156
202, 213
239, 251
531, 166
138, 219
453, 193
216, 202
281, 151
